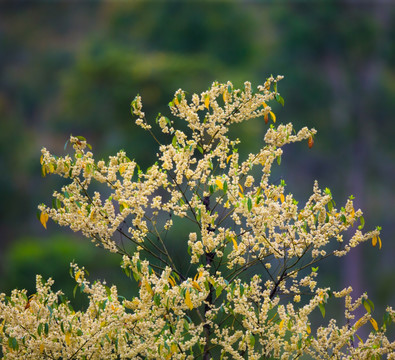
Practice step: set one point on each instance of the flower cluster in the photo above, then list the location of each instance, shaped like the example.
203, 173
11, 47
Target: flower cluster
252, 283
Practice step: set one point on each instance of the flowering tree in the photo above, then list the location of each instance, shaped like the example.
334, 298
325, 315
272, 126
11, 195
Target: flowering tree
249, 284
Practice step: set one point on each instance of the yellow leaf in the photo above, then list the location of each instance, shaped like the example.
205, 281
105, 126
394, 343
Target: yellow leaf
359, 338
352, 212
282, 198
241, 195
272, 318
41, 159
374, 241
172, 281
374, 324
77, 275
67, 338
92, 214
378, 237
188, 301
235, 244
176, 101
125, 206
264, 104
281, 324
308, 329
122, 169
44, 219
148, 287
358, 324
219, 184
198, 275
225, 95
273, 116
207, 101
196, 286
241, 188
174, 348
41, 348
228, 158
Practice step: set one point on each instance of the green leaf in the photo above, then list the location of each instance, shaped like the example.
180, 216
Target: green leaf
79, 332
13, 343
157, 299
249, 204
199, 148
322, 308
75, 290
279, 160
40, 329
362, 220
198, 215
225, 186
218, 291
300, 341
368, 304
174, 141
314, 269
252, 340
280, 100
65, 145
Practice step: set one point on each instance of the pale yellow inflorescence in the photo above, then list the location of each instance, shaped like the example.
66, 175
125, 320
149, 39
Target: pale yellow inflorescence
239, 221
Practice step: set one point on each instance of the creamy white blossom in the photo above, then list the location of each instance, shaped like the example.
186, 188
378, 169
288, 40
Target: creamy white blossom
251, 281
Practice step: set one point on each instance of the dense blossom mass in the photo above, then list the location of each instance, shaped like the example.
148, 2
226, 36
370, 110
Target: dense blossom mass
249, 281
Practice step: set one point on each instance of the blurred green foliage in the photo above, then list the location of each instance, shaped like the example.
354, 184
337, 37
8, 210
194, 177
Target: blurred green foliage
51, 258
74, 70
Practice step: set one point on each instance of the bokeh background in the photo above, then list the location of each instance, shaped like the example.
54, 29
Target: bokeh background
73, 68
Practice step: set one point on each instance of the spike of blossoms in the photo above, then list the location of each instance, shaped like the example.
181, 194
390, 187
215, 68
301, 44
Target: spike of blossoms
206, 307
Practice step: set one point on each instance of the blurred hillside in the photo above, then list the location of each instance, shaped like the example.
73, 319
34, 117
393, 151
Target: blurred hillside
68, 69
